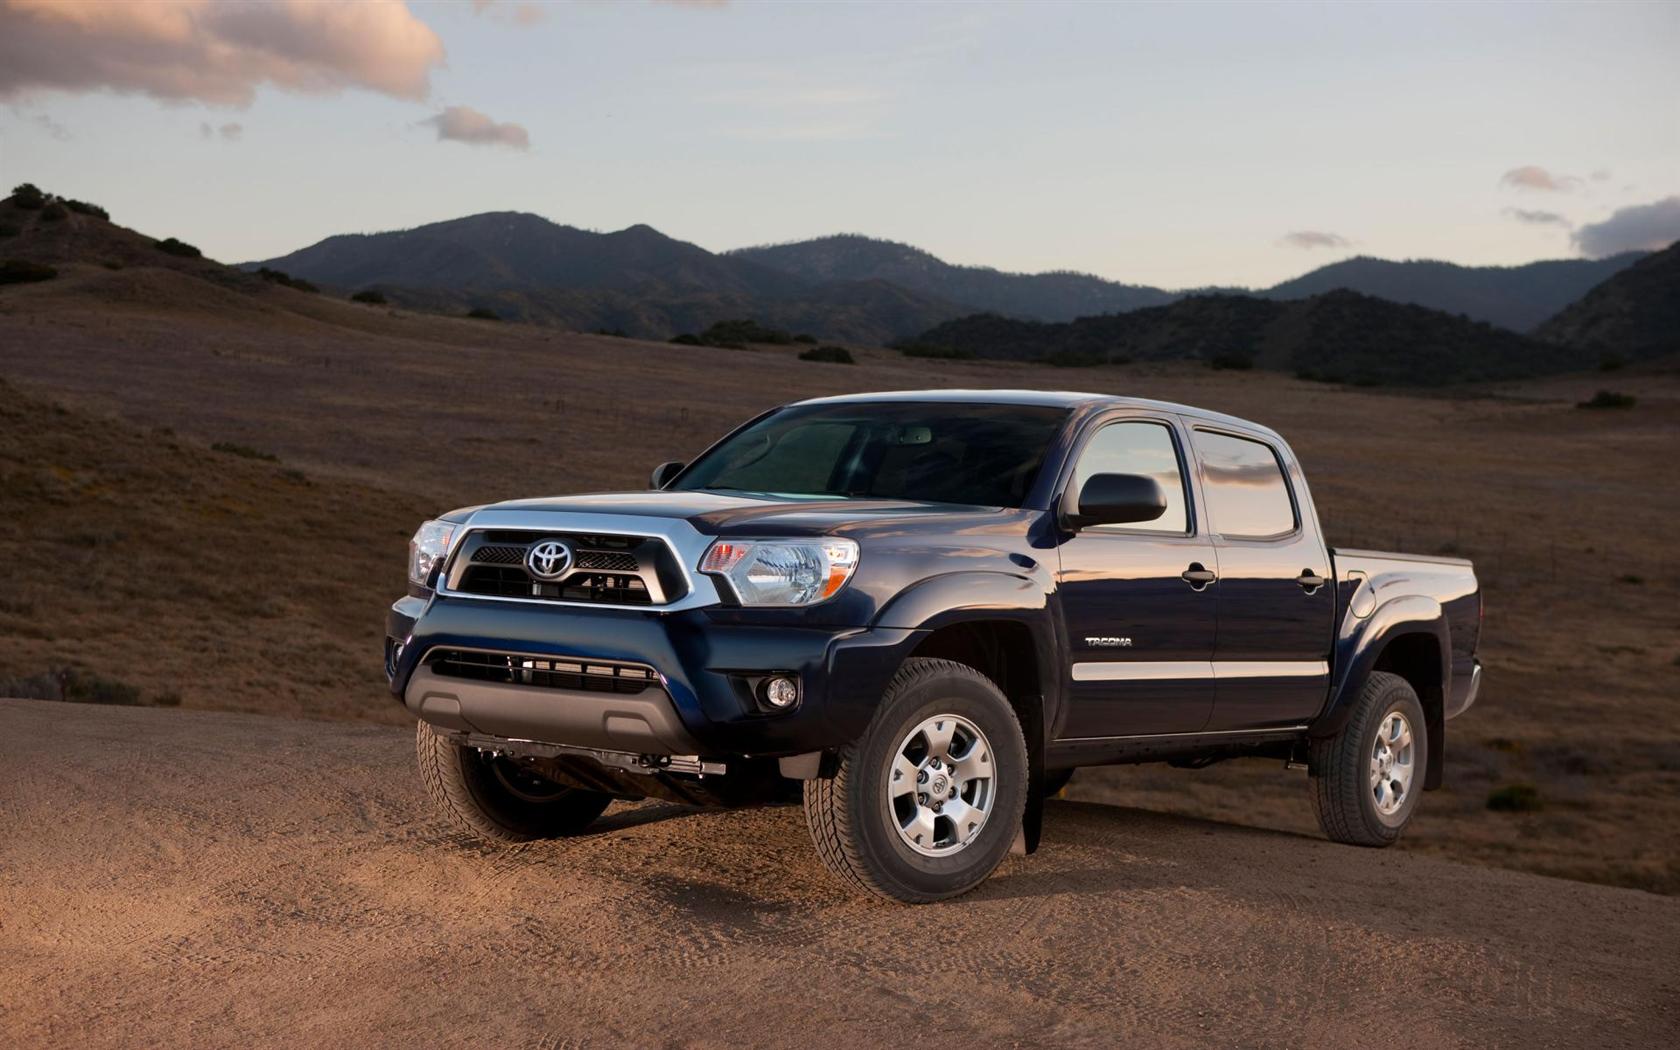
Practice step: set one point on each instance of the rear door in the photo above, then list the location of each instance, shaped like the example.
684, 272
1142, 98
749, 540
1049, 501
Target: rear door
1271, 658
1139, 634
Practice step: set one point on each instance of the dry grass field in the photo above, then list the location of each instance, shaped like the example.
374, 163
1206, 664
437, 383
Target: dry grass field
210, 578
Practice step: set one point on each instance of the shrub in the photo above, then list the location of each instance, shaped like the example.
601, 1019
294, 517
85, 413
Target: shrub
54, 212
111, 264
369, 295
687, 339
244, 451
1229, 361
1515, 798
171, 246
614, 333
28, 195
943, 353
1073, 359
734, 334
483, 313
837, 355
8, 230
280, 277
17, 271
72, 684
1608, 399
84, 208
804, 337
1611, 363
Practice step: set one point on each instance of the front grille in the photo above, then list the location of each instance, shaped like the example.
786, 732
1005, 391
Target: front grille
606, 570
615, 561
503, 581
544, 672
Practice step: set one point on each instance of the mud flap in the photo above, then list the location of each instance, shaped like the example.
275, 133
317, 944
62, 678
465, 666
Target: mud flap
1032, 821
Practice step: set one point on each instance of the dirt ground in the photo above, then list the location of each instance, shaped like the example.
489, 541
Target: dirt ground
186, 879
132, 544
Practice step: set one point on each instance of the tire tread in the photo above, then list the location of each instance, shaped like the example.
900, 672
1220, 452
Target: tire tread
828, 816
1338, 784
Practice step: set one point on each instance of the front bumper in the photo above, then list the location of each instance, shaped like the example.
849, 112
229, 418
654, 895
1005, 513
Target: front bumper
703, 705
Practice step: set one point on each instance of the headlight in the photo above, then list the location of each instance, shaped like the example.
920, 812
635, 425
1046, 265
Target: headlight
782, 572
427, 548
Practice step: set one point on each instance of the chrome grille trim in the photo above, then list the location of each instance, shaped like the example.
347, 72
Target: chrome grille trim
685, 543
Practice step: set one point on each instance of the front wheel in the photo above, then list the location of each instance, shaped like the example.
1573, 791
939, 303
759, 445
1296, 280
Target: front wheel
927, 802
1367, 778
496, 798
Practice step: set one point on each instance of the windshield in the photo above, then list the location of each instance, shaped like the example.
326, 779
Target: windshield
938, 452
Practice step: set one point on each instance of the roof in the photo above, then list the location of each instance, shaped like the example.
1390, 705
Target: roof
1069, 399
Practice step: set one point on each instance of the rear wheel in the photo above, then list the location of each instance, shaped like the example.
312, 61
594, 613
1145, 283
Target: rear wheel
927, 802
496, 798
1367, 778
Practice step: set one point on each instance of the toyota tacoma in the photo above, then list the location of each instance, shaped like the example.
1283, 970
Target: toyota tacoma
917, 613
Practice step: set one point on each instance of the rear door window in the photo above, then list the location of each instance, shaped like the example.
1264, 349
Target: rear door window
1247, 494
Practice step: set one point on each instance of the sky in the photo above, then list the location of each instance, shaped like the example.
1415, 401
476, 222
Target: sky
1178, 145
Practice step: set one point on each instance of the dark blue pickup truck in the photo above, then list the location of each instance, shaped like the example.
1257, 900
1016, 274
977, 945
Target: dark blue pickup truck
920, 612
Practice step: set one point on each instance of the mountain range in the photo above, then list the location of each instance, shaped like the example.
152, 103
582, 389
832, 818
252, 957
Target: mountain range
637, 280
845, 287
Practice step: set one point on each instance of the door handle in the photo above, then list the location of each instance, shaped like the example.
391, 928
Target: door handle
1198, 576
1310, 581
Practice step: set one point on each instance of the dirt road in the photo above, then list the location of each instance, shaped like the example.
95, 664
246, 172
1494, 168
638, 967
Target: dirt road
173, 878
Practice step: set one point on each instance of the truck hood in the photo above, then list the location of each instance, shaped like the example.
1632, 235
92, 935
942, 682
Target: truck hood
718, 513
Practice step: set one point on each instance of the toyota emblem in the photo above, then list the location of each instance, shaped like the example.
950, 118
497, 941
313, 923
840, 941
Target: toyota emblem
549, 560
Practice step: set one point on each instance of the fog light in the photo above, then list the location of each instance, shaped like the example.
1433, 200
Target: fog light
781, 693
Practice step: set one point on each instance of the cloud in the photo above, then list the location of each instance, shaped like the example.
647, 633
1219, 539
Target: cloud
524, 14
1531, 177
229, 132
51, 127
466, 124
1640, 227
1537, 218
1309, 239
217, 53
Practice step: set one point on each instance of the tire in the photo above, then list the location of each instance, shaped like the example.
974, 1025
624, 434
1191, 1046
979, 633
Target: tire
1055, 780
1349, 780
856, 817
494, 799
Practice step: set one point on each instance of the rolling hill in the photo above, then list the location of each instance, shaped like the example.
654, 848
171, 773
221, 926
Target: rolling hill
1059, 296
1339, 336
635, 280
1514, 297
1633, 316
846, 287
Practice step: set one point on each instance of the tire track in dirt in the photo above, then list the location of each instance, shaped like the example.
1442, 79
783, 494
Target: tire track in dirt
196, 879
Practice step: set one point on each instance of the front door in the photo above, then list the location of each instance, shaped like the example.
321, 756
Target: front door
1271, 662
1140, 634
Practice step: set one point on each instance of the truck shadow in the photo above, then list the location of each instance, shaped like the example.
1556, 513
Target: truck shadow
1091, 848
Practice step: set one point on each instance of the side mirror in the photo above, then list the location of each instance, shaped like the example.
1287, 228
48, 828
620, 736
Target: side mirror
665, 472
1115, 499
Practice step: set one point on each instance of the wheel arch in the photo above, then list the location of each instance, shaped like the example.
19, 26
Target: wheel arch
998, 624
1408, 637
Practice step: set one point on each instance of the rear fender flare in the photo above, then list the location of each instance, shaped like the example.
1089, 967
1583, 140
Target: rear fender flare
1359, 644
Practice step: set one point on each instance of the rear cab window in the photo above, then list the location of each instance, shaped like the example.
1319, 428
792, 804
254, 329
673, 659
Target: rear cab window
1248, 495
